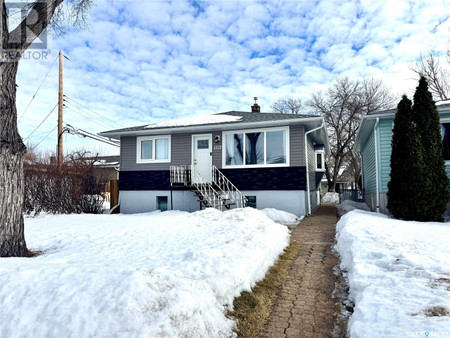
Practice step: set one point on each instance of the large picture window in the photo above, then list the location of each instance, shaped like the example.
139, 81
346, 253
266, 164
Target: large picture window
153, 149
256, 147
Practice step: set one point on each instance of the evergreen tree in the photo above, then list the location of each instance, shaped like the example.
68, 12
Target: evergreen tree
407, 165
435, 184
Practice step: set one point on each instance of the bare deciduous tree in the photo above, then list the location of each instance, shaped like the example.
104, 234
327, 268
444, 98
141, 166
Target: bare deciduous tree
14, 42
287, 105
342, 106
73, 189
436, 74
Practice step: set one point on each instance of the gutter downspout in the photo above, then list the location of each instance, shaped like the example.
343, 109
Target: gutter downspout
375, 135
308, 197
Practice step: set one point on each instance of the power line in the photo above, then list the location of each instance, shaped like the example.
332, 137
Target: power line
51, 131
40, 124
38, 89
87, 115
98, 81
93, 111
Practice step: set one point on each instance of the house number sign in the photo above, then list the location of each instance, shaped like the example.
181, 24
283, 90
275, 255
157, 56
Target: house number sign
217, 147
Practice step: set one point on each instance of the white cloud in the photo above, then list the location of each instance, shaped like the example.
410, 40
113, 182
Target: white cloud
144, 62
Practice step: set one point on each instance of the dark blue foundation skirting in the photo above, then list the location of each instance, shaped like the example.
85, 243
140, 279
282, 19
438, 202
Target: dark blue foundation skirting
282, 178
144, 180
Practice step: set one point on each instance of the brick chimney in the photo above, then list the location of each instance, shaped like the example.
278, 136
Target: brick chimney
256, 108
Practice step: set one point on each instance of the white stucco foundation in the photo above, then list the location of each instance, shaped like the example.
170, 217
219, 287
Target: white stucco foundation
133, 201
145, 201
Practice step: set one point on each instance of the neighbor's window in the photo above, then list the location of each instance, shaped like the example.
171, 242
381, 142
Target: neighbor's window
153, 149
251, 201
161, 203
445, 133
320, 164
268, 147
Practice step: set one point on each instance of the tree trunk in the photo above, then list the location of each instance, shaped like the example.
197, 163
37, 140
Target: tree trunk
12, 150
330, 180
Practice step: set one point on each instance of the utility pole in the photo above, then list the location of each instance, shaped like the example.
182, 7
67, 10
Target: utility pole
60, 112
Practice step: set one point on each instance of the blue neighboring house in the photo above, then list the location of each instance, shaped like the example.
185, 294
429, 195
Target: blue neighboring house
373, 141
224, 160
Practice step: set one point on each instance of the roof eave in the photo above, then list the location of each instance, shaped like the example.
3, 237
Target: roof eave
364, 129
199, 128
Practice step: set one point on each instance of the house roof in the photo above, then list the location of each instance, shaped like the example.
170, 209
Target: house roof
368, 121
107, 161
226, 121
231, 117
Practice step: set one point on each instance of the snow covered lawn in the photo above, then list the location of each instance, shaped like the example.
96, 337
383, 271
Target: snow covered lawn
146, 275
398, 273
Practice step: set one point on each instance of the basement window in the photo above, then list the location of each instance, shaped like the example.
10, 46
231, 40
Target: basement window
161, 203
251, 201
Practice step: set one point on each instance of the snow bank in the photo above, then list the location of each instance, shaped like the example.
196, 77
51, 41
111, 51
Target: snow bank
196, 120
348, 206
331, 197
282, 217
397, 272
170, 274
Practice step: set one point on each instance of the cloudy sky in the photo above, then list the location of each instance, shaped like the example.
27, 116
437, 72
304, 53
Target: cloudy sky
150, 61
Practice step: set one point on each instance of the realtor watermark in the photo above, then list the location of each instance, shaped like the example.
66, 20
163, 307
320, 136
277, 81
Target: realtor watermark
427, 334
22, 20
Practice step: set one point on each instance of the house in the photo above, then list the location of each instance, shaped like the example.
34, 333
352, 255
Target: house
106, 168
224, 160
373, 141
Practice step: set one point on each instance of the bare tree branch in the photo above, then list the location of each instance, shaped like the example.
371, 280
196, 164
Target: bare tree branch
287, 105
437, 76
342, 106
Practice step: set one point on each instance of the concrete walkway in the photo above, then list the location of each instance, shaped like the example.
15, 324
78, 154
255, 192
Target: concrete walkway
304, 305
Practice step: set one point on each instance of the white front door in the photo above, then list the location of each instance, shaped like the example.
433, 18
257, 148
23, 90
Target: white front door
202, 156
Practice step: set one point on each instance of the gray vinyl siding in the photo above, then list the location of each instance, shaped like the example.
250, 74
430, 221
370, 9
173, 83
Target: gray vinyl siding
181, 150
368, 159
180, 154
217, 150
297, 148
311, 165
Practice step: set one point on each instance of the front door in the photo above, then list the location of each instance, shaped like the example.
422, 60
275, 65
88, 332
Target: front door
201, 156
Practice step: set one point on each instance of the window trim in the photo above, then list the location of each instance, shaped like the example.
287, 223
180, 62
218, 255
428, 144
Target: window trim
139, 140
259, 130
322, 153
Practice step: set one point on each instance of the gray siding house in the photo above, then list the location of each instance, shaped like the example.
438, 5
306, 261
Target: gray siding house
225, 160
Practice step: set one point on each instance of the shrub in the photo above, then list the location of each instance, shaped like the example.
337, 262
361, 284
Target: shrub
71, 190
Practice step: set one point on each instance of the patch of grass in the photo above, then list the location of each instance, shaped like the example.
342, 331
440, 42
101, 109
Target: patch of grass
441, 282
436, 311
252, 309
31, 254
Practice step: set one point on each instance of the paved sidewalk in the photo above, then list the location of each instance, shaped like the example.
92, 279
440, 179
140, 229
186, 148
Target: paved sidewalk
304, 305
